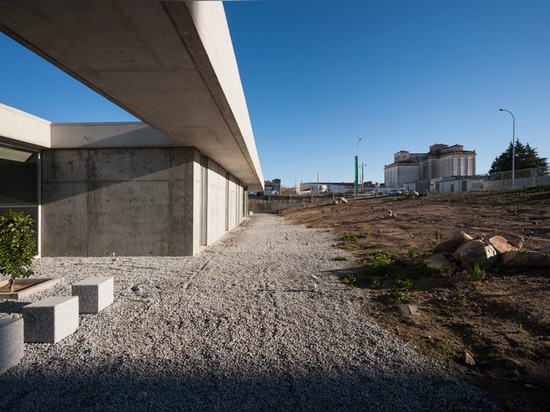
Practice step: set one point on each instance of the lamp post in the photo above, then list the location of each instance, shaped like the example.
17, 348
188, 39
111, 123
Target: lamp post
357, 166
513, 144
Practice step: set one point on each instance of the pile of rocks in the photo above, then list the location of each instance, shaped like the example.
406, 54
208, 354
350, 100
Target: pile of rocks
467, 251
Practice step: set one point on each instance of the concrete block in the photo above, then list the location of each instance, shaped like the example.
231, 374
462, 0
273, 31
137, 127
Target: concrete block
11, 343
94, 294
51, 319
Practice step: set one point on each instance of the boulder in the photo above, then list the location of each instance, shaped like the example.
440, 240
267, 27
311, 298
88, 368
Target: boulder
501, 244
476, 251
514, 240
525, 258
449, 245
438, 262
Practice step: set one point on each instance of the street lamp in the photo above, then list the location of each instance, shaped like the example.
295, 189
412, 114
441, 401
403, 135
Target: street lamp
357, 166
513, 143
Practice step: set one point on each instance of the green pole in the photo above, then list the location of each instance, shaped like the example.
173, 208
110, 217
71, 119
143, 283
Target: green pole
356, 172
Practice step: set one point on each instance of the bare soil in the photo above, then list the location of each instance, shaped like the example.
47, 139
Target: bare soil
503, 320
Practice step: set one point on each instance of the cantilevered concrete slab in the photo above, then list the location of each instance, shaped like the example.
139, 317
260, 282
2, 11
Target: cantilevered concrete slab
169, 63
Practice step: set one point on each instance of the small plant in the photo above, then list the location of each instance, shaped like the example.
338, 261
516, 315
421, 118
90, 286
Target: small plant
397, 296
405, 283
400, 293
439, 235
412, 253
349, 281
528, 353
341, 258
520, 329
374, 282
380, 262
477, 273
17, 245
477, 220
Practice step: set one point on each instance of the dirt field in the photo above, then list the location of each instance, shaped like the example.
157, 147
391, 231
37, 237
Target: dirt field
500, 318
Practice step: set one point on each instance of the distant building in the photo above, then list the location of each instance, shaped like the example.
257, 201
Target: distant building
442, 161
323, 187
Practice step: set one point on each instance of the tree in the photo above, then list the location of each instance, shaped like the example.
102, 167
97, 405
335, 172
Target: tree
526, 158
17, 245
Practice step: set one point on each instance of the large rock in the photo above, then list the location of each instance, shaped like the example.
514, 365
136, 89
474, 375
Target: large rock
501, 244
476, 251
525, 258
438, 262
514, 240
449, 245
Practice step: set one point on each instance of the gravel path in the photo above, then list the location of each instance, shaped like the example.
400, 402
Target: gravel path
258, 321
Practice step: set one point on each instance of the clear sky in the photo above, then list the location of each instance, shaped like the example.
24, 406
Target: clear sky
320, 75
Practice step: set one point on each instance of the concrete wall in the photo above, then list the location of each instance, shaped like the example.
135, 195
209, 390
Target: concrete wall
135, 202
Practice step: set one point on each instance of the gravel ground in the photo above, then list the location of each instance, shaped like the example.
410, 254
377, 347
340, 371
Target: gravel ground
258, 321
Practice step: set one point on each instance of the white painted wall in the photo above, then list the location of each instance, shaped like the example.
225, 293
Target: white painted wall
24, 127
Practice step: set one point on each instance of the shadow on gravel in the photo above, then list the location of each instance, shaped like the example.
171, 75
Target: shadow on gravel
12, 306
117, 388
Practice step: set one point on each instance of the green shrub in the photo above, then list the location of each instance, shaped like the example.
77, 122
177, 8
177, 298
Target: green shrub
17, 245
349, 281
397, 296
380, 262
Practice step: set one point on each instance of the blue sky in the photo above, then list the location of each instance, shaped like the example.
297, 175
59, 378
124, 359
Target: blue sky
319, 75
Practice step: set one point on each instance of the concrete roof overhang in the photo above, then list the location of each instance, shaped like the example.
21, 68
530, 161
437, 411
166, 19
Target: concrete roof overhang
169, 63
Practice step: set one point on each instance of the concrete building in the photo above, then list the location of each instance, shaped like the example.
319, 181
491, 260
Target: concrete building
168, 186
441, 161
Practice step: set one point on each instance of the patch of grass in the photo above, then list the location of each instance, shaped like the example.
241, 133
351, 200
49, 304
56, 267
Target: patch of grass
352, 237
412, 253
349, 237
528, 353
439, 235
341, 258
445, 349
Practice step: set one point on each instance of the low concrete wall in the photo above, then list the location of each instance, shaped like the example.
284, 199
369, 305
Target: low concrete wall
272, 207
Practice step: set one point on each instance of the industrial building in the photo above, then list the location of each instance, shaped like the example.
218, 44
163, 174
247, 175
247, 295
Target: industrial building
441, 161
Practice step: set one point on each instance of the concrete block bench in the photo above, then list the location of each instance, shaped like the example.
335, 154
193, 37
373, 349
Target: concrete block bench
94, 294
51, 319
11, 343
